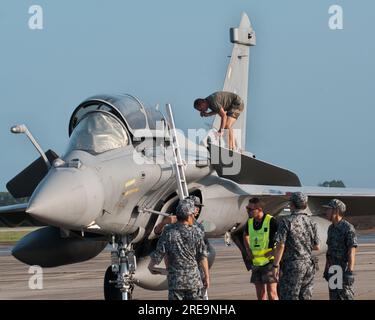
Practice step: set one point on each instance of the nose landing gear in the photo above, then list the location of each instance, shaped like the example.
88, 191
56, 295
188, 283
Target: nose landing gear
119, 277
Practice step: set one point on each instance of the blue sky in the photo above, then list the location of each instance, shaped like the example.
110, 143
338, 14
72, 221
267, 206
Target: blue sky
311, 89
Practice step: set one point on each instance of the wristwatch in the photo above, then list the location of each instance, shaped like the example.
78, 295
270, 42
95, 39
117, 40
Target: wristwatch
275, 266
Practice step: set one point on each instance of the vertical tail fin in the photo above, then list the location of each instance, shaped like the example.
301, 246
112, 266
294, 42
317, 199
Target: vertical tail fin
236, 79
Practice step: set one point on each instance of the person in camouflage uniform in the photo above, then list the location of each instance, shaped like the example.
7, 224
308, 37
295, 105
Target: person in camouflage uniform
210, 250
342, 244
296, 238
227, 105
183, 245
173, 219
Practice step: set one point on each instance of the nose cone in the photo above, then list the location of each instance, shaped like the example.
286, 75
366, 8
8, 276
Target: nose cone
67, 197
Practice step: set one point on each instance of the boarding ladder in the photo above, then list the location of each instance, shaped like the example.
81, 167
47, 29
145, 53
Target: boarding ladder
178, 164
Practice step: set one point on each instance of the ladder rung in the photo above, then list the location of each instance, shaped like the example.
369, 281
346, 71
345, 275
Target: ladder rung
180, 170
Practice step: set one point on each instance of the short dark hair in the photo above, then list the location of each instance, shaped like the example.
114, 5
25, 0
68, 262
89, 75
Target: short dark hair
182, 219
299, 206
256, 201
302, 207
197, 102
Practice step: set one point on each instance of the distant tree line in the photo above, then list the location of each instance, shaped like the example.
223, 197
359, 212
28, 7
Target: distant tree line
333, 184
6, 199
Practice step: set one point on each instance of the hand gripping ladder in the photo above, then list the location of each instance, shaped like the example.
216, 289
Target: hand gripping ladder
178, 165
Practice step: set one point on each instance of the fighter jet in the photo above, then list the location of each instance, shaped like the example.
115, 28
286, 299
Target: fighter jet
126, 167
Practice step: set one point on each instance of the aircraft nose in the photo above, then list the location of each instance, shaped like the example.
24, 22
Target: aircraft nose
68, 197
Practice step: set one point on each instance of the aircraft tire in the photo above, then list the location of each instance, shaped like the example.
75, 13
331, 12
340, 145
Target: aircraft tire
110, 291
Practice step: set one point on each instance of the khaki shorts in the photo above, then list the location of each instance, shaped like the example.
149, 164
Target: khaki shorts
236, 109
263, 274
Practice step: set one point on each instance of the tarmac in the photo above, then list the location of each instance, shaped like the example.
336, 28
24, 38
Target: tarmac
229, 277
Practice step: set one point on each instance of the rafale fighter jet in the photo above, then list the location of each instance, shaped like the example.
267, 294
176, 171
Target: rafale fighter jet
111, 187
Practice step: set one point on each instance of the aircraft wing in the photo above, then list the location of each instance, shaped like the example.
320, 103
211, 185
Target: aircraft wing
274, 184
359, 202
360, 205
15, 216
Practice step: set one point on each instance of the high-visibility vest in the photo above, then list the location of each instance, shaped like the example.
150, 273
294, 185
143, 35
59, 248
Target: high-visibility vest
259, 241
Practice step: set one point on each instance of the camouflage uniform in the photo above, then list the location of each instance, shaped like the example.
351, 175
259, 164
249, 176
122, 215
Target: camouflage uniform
299, 235
341, 237
197, 203
209, 252
184, 247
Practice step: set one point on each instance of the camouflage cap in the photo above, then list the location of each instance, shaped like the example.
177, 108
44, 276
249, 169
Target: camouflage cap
184, 208
336, 204
299, 199
196, 200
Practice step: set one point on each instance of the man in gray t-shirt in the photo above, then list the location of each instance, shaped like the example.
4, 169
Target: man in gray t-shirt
227, 105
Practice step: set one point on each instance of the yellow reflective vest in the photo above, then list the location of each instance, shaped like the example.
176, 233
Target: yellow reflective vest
259, 241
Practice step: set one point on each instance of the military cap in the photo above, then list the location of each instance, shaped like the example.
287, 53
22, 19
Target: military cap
196, 200
336, 204
184, 208
299, 199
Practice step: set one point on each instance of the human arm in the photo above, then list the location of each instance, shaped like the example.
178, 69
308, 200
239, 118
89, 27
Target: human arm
167, 220
351, 244
159, 253
246, 241
270, 253
207, 114
202, 259
325, 273
223, 116
152, 266
316, 239
349, 275
204, 266
280, 239
279, 251
351, 260
326, 267
272, 241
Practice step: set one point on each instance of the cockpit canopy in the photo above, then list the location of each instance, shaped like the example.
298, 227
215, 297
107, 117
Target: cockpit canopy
107, 122
128, 109
98, 132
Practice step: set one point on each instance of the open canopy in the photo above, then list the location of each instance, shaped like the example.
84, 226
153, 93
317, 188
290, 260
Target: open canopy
127, 108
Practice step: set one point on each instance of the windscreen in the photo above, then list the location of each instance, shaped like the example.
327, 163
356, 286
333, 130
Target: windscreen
98, 132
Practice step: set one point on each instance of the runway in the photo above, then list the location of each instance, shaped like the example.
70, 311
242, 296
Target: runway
229, 278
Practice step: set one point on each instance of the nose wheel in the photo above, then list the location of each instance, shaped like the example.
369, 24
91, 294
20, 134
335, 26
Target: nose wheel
119, 277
